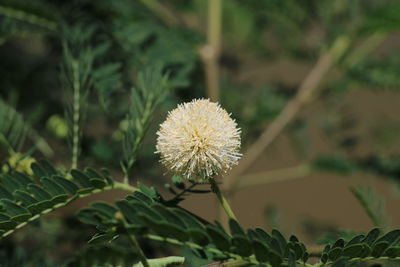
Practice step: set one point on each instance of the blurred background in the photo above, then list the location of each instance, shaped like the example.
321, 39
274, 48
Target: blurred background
313, 84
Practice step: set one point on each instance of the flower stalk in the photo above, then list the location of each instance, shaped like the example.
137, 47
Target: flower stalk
222, 200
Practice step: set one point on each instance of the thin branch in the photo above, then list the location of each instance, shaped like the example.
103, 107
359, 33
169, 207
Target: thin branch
236, 259
184, 191
28, 17
210, 53
210, 249
163, 12
273, 176
304, 94
138, 250
369, 44
234, 263
76, 114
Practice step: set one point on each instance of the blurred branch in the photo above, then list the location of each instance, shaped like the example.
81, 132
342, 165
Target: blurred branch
364, 48
304, 94
373, 204
267, 177
14, 129
233, 263
28, 17
306, 89
210, 52
137, 249
165, 13
41, 144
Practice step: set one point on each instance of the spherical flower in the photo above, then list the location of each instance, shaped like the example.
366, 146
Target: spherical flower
199, 140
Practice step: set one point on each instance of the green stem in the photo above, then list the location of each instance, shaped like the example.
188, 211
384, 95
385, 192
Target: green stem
138, 250
134, 243
360, 52
222, 200
144, 123
211, 51
161, 12
273, 176
27, 17
125, 187
237, 260
329, 263
195, 246
373, 258
235, 263
5, 143
76, 114
214, 23
126, 179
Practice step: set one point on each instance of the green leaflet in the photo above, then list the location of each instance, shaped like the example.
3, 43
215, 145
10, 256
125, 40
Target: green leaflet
149, 217
24, 198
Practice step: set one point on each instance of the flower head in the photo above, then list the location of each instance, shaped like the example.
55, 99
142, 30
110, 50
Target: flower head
199, 140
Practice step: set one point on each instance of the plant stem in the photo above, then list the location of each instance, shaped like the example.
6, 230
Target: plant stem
28, 17
369, 44
304, 94
125, 187
126, 179
138, 250
210, 52
132, 239
76, 115
5, 143
222, 200
163, 12
233, 263
196, 246
267, 177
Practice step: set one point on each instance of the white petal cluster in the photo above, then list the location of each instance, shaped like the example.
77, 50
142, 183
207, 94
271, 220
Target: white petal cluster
199, 140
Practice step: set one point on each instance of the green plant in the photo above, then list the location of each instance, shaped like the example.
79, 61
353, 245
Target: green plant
125, 63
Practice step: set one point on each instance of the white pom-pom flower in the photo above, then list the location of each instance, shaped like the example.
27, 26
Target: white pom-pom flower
199, 140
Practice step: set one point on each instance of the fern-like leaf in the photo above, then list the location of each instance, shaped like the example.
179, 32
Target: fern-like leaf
102, 255
79, 74
373, 205
144, 213
151, 89
26, 198
14, 130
